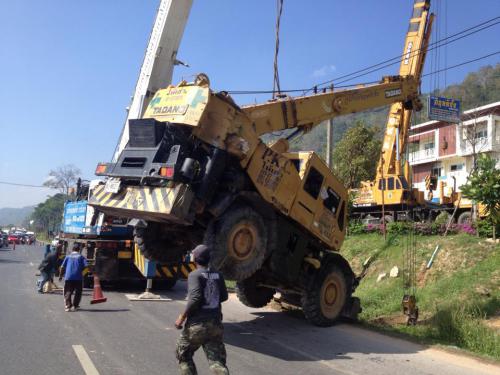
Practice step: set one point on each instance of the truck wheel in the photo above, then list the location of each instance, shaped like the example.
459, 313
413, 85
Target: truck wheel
325, 295
252, 295
160, 246
239, 242
465, 218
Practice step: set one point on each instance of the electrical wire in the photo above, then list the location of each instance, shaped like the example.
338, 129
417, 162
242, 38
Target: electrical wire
461, 64
431, 46
366, 83
384, 64
25, 185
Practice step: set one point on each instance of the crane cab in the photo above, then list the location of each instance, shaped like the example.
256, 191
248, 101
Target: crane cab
321, 199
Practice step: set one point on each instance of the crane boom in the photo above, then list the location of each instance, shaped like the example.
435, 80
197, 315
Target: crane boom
412, 63
159, 60
308, 111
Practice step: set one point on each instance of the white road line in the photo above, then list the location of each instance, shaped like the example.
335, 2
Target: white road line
85, 360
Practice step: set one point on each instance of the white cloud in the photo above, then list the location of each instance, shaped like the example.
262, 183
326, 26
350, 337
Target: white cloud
324, 70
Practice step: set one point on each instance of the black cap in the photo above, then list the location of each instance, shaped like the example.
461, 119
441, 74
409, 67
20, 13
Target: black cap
201, 254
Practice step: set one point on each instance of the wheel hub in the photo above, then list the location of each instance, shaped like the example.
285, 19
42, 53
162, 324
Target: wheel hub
330, 296
242, 241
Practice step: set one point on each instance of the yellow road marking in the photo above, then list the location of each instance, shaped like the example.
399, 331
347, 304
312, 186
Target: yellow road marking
85, 361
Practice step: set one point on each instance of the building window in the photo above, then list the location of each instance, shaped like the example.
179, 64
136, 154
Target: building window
481, 134
429, 146
436, 171
456, 167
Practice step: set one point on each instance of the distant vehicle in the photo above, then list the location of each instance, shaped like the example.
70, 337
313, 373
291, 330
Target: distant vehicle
14, 238
30, 238
5, 238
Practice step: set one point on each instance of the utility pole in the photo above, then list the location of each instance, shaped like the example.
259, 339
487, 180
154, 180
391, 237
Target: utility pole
329, 141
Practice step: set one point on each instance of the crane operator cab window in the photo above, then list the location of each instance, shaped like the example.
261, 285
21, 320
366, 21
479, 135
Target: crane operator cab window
331, 199
313, 182
390, 183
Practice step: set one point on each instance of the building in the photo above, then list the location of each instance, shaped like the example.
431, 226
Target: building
447, 150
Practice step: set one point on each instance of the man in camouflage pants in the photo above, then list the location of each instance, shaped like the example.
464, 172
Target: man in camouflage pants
203, 317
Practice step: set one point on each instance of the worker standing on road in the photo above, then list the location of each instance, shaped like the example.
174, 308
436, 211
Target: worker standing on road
73, 267
203, 317
48, 267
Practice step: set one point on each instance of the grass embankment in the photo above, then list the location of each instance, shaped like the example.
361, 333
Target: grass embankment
458, 298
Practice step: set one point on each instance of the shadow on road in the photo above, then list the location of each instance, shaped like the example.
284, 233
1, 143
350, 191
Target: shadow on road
283, 336
104, 310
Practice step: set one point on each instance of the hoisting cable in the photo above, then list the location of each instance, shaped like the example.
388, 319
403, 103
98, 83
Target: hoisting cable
409, 302
276, 82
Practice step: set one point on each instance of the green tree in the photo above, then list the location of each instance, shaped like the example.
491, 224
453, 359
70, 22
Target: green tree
47, 216
356, 155
483, 186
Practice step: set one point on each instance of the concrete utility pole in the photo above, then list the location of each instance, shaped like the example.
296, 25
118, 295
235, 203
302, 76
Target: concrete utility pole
329, 141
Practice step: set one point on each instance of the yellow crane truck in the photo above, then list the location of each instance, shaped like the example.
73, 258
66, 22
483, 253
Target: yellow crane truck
196, 170
391, 197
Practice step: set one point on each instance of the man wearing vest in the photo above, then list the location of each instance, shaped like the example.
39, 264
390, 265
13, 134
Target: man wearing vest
203, 317
73, 267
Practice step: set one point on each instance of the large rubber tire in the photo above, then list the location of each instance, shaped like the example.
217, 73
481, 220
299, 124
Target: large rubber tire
465, 218
239, 241
162, 246
325, 295
252, 295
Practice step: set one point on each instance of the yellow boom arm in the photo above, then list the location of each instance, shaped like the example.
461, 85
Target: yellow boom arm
309, 111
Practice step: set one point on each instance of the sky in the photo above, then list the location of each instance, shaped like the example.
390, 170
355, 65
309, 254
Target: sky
69, 68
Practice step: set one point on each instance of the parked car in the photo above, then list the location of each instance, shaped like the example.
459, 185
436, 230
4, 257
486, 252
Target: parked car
14, 238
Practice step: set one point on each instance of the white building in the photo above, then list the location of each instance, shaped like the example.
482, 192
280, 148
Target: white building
447, 150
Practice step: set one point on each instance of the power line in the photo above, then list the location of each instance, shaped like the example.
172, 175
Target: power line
367, 83
384, 64
25, 185
434, 45
462, 63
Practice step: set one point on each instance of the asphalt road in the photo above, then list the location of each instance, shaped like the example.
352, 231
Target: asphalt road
123, 337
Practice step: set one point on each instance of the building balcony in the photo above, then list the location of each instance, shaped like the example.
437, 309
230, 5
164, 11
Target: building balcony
482, 144
422, 156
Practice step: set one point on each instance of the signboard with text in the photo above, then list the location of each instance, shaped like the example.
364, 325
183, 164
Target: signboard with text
444, 109
74, 217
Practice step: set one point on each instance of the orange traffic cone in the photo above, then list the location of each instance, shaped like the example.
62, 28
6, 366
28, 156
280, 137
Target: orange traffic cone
97, 296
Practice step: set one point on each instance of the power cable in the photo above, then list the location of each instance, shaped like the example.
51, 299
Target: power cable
431, 46
249, 92
461, 64
384, 64
25, 185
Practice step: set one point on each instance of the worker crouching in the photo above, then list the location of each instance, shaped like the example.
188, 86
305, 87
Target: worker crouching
203, 317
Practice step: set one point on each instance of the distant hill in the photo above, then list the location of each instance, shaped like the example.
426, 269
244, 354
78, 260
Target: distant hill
14, 216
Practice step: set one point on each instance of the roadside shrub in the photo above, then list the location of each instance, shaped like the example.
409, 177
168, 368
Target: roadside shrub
442, 218
485, 228
373, 228
398, 227
355, 227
